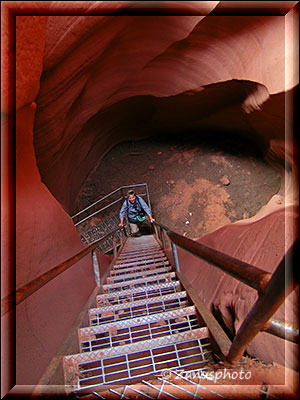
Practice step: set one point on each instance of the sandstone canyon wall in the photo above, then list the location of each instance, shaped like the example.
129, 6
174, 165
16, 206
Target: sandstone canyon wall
131, 77
109, 78
262, 243
43, 235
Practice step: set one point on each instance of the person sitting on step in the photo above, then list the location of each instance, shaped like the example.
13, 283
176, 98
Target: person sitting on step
136, 210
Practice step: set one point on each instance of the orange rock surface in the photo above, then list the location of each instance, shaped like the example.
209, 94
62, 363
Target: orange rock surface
87, 82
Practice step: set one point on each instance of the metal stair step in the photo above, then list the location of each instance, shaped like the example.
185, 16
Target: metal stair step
138, 293
120, 269
140, 259
121, 260
129, 252
133, 250
142, 239
129, 363
137, 329
140, 253
143, 324
143, 242
137, 268
111, 313
141, 283
128, 264
138, 275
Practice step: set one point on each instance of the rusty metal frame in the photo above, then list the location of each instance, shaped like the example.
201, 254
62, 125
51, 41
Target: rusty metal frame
120, 189
123, 311
134, 294
272, 291
142, 282
12, 300
73, 362
114, 332
279, 287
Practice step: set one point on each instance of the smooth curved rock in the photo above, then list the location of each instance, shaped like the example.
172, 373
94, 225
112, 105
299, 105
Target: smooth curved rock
45, 234
147, 71
262, 243
126, 77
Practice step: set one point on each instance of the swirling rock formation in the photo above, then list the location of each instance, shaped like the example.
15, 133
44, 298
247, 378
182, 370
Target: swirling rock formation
110, 73
111, 78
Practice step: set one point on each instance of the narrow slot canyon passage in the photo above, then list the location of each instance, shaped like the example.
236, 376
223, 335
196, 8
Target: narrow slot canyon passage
196, 185
195, 99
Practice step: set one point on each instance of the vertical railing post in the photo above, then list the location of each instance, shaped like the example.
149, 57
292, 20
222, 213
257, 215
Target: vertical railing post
155, 231
114, 245
96, 268
163, 242
175, 255
157, 235
148, 197
121, 238
280, 286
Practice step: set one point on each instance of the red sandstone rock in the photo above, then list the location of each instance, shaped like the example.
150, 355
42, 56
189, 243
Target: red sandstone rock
87, 103
29, 50
225, 181
261, 243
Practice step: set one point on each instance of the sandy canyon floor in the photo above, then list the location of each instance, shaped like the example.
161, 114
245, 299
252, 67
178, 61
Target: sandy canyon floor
195, 187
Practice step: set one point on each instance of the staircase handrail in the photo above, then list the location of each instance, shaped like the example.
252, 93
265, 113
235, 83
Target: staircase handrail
15, 298
114, 202
272, 289
244, 272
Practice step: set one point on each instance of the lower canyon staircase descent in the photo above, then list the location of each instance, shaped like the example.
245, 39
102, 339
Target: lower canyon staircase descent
144, 323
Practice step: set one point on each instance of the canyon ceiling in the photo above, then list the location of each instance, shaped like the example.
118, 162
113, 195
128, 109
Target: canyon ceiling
110, 78
81, 77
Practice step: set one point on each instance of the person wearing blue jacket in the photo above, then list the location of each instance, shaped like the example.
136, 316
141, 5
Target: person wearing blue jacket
136, 210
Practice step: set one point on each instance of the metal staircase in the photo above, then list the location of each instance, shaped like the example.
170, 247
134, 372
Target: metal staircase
144, 324
149, 325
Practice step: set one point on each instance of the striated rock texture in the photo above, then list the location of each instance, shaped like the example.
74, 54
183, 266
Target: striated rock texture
44, 234
107, 79
261, 243
113, 78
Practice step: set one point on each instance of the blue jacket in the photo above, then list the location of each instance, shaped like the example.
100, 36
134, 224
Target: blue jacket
132, 210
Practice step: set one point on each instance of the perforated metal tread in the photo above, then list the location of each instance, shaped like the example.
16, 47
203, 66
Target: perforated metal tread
105, 314
141, 254
137, 329
143, 324
140, 274
138, 293
146, 256
137, 268
141, 262
142, 250
141, 282
132, 362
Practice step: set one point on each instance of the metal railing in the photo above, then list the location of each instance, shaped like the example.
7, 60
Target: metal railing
12, 300
272, 289
93, 206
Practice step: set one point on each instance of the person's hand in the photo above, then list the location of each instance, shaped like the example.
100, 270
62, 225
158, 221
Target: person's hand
152, 220
121, 224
